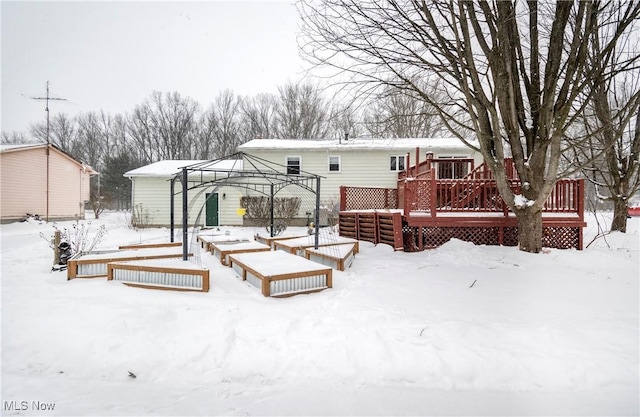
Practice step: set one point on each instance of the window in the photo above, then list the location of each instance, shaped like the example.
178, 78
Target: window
334, 164
396, 163
293, 165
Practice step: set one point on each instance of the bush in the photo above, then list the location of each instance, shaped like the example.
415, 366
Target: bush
258, 209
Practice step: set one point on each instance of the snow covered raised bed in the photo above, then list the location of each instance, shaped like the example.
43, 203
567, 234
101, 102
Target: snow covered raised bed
94, 264
165, 274
298, 245
222, 250
338, 257
268, 240
278, 273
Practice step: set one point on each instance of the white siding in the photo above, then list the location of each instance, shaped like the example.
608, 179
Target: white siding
358, 168
151, 198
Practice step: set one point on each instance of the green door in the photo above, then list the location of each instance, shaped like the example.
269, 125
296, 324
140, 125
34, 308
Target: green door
212, 210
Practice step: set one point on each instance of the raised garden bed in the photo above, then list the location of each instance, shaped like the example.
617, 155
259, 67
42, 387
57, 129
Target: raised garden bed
222, 250
339, 257
281, 274
94, 264
298, 245
164, 274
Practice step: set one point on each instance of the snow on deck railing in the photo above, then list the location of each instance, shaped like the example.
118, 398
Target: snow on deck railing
434, 196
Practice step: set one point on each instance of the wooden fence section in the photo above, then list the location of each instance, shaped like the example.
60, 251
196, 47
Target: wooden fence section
182, 276
372, 226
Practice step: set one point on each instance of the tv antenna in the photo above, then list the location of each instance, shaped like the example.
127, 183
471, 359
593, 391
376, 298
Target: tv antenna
47, 98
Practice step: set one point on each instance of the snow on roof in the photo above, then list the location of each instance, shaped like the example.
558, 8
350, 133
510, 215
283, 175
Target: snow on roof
20, 146
168, 168
354, 144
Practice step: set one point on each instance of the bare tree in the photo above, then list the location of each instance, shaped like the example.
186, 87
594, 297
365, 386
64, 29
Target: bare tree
258, 114
610, 154
142, 133
90, 144
301, 112
515, 69
13, 138
62, 132
164, 126
400, 114
221, 132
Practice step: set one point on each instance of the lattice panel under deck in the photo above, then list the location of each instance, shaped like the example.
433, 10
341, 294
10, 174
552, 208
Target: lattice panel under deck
433, 237
561, 237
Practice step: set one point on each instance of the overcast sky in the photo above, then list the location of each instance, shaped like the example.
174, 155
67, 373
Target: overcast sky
113, 55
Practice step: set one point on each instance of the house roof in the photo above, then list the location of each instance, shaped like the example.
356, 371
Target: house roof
20, 146
27, 146
168, 168
356, 144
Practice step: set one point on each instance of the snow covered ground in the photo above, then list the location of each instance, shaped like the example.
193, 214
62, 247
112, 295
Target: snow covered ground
460, 330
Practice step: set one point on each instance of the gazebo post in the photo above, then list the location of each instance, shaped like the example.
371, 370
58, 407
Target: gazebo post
172, 224
317, 220
271, 211
185, 220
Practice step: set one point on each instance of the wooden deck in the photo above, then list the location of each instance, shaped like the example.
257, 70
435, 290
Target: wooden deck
426, 211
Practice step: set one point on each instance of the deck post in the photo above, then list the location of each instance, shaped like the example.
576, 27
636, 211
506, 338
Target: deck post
343, 198
434, 194
185, 216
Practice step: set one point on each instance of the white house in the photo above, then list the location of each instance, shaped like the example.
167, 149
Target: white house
353, 162
151, 195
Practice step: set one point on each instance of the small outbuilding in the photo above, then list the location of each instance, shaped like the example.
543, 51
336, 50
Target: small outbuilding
42, 180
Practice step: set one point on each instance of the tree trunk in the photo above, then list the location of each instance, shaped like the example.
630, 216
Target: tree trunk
530, 230
619, 222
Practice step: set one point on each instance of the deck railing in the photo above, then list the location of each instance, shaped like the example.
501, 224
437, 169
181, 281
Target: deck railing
470, 195
435, 196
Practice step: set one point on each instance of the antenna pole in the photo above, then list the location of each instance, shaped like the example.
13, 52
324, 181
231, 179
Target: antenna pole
46, 108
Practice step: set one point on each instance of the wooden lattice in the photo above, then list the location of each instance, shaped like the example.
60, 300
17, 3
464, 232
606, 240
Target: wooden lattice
562, 237
367, 198
433, 237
